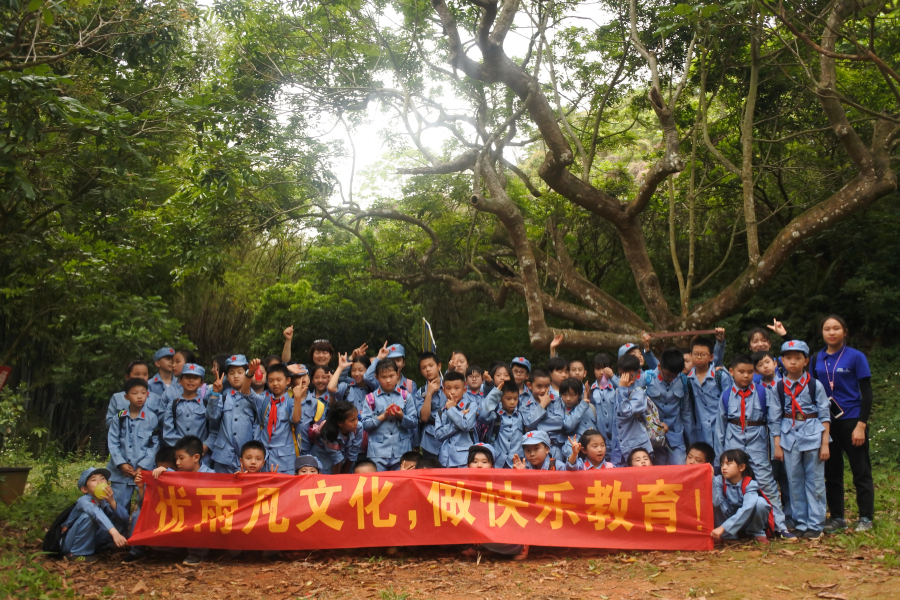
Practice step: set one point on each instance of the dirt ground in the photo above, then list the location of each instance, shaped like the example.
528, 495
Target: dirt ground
808, 570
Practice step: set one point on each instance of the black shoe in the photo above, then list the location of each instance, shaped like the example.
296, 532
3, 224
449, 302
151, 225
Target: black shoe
835, 525
864, 524
129, 558
811, 534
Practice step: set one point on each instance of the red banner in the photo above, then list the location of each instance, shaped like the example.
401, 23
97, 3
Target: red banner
652, 508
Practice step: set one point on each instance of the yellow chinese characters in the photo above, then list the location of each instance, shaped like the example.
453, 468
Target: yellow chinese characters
555, 505
450, 503
509, 499
267, 504
660, 504
606, 501
174, 504
373, 507
218, 509
320, 508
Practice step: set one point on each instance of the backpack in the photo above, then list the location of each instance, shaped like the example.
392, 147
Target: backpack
52, 545
726, 395
318, 423
655, 430
770, 522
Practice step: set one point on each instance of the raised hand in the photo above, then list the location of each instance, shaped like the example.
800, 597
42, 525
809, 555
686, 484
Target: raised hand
217, 385
720, 334
626, 379
382, 354
557, 340
273, 468
361, 351
158, 471
487, 378
343, 361
449, 404
300, 391
609, 373
777, 327
645, 339
517, 462
289, 333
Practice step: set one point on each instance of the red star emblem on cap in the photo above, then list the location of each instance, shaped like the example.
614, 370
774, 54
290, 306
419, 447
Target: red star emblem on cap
191, 367
791, 344
170, 350
529, 434
234, 358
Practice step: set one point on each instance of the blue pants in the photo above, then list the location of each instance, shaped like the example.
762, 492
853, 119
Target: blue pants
385, 464
755, 526
670, 456
85, 537
779, 472
762, 468
123, 492
807, 479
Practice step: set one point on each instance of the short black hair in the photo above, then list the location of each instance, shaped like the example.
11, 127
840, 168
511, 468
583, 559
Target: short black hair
741, 359
135, 382
165, 454
268, 360
320, 346
602, 361
758, 356
585, 438
365, 461
423, 356
706, 449
635, 451
188, 355
473, 450
474, 370
411, 455
454, 376
629, 363
758, 331
557, 363
279, 368
190, 444
427, 462
461, 353
571, 385
538, 373
509, 387
135, 363
492, 368
672, 360
253, 445
577, 360
702, 340
387, 364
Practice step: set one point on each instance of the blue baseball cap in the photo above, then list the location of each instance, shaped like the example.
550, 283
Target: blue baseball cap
88, 473
481, 446
795, 346
521, 361
163, 352
396, 351
536, 437
193, 369
237, 360
307, 461
625, 348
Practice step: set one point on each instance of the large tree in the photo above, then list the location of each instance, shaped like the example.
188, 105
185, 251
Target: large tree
767, 123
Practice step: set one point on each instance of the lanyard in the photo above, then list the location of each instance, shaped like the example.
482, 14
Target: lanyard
833, 372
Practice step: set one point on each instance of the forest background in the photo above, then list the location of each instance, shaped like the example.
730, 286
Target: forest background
164, 181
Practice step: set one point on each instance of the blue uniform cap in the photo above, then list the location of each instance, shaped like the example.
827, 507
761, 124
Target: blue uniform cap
193, 369
795, 346
163, 352
521, 361
395, 351
88, 473
307, 461
536, 437
625, 348
237, 360
482, 446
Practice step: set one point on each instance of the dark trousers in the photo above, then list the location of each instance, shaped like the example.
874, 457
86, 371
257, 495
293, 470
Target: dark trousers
860, 465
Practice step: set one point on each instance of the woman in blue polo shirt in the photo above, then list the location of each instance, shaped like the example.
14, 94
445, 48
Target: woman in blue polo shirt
844, 373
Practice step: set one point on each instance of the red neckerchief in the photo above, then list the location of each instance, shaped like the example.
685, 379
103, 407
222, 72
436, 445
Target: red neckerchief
744, 394
273, 415
792, 391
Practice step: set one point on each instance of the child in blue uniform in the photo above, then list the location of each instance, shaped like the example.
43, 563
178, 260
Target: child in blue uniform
429, 400
279, 412
740, 510
537, 454
631, 406
666, 389
545, 411
340, 439
90, 526
232, 414
578, 414
474, 386
706, 387
746, 415
353, 390
165, 374
700, 453
639, 457
165, 457
314, 407
559, 370
133, 440
186, 412
768, 375
504, 427
117, 403
392, 422
180, 360
397, 354
588, 452
603, 397
454, 426
253, 457
803, 437
520, 370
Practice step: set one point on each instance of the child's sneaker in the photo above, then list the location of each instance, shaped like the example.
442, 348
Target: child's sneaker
522, 555
192, 559
811, 534
835, 525
788, 537
762, 540
83, 559
864, 524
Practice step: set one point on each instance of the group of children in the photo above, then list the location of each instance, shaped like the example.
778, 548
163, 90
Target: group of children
366, 415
